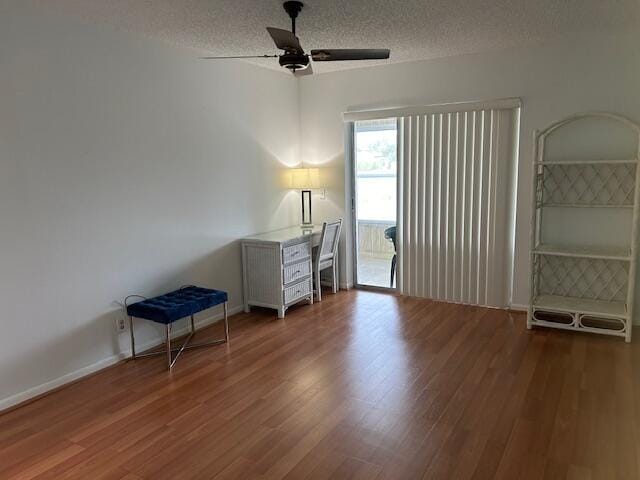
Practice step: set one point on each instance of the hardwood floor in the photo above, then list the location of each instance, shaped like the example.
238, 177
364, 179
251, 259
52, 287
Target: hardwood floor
363, 385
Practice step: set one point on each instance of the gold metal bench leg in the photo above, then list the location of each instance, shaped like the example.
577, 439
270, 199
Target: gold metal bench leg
226, 324
133, 339
168, 345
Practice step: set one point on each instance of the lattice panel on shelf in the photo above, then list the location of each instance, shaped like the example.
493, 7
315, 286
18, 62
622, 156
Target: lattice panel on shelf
590, 278
589, 184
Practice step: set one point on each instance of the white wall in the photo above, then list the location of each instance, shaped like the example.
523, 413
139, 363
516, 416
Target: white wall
126, 166
129, 166
552, 80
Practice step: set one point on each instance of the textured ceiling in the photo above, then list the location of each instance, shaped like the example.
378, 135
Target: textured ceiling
412, 29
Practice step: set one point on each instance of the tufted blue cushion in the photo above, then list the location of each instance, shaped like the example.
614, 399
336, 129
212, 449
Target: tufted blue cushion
178, 304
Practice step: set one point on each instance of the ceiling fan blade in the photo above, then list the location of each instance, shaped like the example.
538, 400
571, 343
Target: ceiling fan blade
336, 54
304, 71
285, 40
239, 56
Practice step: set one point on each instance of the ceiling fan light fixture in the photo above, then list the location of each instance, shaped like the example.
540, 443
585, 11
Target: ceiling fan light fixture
294, 61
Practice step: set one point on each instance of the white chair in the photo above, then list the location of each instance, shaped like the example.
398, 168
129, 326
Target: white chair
327, 255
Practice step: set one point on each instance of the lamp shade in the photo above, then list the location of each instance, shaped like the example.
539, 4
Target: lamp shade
303, 178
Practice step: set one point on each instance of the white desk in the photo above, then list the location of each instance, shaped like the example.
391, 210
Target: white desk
277, 268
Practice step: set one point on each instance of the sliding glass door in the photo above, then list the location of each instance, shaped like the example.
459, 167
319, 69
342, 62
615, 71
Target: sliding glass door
375, 202
437, 184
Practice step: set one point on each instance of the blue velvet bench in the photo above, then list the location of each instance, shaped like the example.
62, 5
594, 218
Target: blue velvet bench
173, 306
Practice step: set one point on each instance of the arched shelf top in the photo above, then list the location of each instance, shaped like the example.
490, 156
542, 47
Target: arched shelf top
579, 116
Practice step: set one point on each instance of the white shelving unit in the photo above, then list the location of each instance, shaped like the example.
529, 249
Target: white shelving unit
586, 288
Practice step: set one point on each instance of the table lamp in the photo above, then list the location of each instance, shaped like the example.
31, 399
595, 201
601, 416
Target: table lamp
305, 179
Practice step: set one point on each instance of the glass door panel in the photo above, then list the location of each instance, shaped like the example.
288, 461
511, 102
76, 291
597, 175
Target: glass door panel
375, 174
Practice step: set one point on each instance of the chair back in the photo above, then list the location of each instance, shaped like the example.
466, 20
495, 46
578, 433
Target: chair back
329, 240
390, 234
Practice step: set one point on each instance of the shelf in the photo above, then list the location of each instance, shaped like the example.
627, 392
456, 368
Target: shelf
605, 253
588, 187
581, 305
589, 162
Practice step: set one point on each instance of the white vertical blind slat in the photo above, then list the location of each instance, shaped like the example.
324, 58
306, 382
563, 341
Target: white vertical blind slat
492, 232
465, 221
420, 197
454, 230
453, 206
484, 207
444, 226
440, 226
406, 208
416, 172
435, 204
473, 213
430, 237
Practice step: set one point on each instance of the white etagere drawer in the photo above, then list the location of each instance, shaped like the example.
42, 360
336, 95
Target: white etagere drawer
296, 252
297, 291
296, 271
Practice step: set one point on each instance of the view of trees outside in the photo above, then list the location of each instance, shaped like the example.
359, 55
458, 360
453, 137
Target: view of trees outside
376, 175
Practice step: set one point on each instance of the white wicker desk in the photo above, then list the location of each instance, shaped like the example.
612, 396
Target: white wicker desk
277, 268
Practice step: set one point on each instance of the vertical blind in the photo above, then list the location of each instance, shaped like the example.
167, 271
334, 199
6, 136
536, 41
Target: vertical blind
456, 170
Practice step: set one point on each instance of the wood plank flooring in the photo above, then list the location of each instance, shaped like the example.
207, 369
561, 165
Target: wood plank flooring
362, 386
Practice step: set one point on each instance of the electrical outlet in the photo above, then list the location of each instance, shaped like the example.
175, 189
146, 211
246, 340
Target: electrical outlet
120, 323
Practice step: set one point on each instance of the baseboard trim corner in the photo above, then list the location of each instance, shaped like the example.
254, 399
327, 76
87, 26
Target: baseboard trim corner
518, 307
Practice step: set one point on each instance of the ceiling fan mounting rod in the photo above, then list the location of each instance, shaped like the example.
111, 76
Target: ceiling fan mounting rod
296, 60
293, 7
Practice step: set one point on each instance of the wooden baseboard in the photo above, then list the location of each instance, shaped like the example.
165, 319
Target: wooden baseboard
31, 395
60, 387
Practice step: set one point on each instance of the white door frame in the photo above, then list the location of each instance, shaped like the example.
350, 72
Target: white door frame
350, 171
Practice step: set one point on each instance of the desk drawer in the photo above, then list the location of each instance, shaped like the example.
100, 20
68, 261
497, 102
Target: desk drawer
296, 252
297, 291
296, 271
